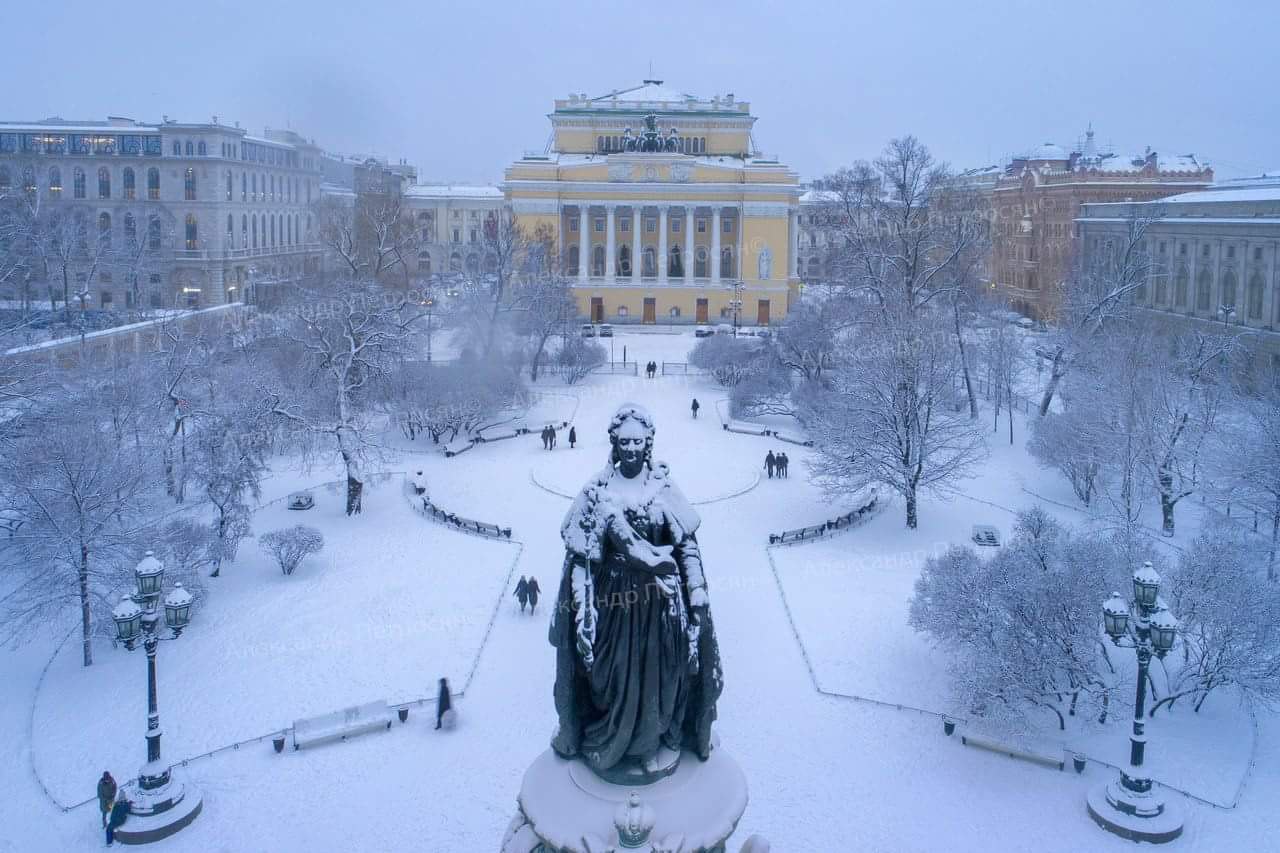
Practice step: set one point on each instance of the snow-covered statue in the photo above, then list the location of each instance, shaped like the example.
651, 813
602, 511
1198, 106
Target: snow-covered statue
764, 265
420, 484
628, 140
637, 666
672, 142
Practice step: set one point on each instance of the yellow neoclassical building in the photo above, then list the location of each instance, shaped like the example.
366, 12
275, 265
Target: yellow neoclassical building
662, 209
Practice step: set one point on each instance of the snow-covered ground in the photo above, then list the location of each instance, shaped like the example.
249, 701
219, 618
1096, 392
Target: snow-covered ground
394, 602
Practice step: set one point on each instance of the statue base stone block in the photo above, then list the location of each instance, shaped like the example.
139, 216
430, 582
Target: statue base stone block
565, 808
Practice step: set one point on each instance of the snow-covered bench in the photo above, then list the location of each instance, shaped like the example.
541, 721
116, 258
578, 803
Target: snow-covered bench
1013, 752
340, 725
457, 446
986, 535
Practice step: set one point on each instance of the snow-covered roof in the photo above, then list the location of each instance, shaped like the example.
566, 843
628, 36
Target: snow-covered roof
1135, 162
819, 197
649, 91
482, 191
1048, 151
337, 190
1265, 192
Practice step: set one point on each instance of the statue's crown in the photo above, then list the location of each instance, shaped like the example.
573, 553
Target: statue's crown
634, 821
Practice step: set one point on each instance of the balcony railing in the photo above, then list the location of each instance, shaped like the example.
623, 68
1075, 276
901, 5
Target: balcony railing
259, 252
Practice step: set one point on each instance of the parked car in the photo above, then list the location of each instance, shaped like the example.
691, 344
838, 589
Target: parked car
702, 330
301, 500
724, 329
606, 331
588, 330
764, 333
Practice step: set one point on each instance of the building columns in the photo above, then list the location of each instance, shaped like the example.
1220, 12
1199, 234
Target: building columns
584, 243
662, 244
637, 244
795, 245
610, 244
690, 246
714, 260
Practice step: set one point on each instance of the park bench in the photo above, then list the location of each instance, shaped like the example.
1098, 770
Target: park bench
986, 535
301, 500
460, 445
340, 725
1013, 752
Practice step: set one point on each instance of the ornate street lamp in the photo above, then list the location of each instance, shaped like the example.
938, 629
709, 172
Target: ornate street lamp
1129, 806
163, 804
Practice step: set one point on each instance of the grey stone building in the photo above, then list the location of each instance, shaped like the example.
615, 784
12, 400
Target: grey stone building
1215, 257
191, 214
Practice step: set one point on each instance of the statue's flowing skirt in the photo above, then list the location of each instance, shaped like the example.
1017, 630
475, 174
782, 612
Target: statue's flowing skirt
639, 685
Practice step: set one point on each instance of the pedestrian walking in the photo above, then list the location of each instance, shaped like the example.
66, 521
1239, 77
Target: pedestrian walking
119, 814
444, 704
522, 593
783, 462
534, 592
770, 462
106, 795
573, 437
546, 443
551, 434
695, 408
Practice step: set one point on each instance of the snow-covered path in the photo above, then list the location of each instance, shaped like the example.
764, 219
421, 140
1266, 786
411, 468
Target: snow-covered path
825, 774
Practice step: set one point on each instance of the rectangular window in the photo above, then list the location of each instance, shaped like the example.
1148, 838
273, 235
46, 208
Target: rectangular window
650, 225
573, 224
1182, 249
474, 237
675, 226
728, 226
107, 299
457, 235
1205, 250
1231, 251
625, 225
599, 226
702, 226
1257, 254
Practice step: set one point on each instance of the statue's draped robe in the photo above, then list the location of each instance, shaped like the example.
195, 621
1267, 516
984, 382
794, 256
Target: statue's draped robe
655, 674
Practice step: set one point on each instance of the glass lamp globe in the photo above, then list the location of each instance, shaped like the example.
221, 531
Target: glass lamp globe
1164, 629
1115, 616
128, 618
177, 608
150, 573
1146, 585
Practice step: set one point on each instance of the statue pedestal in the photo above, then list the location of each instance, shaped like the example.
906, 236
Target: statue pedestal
568, 809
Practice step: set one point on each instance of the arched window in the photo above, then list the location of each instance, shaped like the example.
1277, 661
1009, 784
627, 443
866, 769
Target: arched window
473, 264
193, 241
189, 185
1162, 289
648, 262
424, 263
296, 230
231, 230
1255, 297
572, 260
288, 229
599, 143
244, 187
1229, 289
597, 261
455, 262
273, 187
254, 230
6, 180
244, 231
815, 269
130, 230
177, 148
700, 262
1204, 288
153, 233
28, 180
253, 185
129, 183
675, 262
153, 183
104, 229
1181, 285
104, 182
273, 230
230, 188
200, 149
55, 182
674, 313
624, 261
190, 151
726, 262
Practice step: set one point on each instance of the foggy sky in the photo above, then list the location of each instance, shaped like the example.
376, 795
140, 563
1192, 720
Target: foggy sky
463, 88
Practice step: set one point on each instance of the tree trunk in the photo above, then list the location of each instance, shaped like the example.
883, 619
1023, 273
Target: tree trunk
964, 367
355, 489
911, 508
1055, 376
1010, 407
1275, 537
86, 622
1166, 502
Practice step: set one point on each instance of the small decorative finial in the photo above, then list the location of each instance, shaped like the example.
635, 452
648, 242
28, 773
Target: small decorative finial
634, 821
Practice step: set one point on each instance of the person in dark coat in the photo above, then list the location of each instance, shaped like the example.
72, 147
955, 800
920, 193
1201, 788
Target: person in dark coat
534, 591
543, 434
119, 814
551, 435
573, 437
782, 461
770, 462
522, 593
106, 795
443, 702
695, 408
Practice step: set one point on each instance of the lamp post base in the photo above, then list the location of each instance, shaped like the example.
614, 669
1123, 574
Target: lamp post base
1136, 817
158, 812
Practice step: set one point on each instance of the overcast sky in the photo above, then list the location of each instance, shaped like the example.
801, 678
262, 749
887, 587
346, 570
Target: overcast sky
462, 92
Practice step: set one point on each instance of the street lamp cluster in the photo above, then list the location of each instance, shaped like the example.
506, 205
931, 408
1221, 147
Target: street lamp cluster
1129, 806
159, 805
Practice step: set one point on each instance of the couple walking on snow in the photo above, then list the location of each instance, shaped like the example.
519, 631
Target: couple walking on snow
776, 465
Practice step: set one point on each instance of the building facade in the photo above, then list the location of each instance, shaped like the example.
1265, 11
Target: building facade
184, 214
1037, 199
661, 209
1215, 258
450, 221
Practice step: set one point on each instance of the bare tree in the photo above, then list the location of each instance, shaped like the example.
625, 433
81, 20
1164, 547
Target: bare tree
291, 545
545, 306
1247, 450
372, 238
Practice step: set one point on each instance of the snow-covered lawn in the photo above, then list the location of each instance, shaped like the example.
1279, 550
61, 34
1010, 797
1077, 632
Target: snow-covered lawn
394, 602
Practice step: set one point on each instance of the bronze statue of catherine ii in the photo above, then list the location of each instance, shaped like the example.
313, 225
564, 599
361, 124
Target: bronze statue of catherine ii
637, 666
